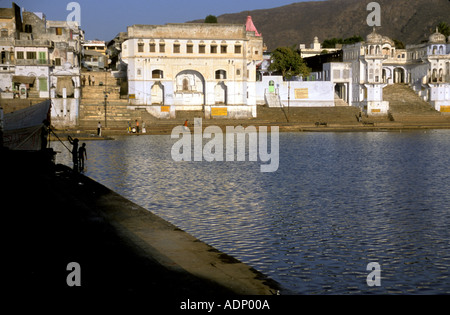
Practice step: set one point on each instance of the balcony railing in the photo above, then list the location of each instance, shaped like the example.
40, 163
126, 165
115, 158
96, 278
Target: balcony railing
33, 43
7, 68
6, 42
32, 62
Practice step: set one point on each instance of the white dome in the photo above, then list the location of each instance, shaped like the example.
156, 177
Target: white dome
374, 38
437, 38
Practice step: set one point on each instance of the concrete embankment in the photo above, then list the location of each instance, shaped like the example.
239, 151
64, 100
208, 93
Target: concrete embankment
54, 217
293, 120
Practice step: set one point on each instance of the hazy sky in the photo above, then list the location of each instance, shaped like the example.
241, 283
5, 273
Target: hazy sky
103, 19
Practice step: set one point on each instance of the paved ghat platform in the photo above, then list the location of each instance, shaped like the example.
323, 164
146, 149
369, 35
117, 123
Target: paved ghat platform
54, 217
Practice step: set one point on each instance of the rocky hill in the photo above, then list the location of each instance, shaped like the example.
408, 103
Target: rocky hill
410, 21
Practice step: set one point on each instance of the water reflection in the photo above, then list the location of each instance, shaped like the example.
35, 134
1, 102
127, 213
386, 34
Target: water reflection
337, 202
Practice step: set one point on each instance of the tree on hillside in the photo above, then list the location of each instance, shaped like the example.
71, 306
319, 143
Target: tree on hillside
331, 43
399, 44
444, 29
288, 62
211, 19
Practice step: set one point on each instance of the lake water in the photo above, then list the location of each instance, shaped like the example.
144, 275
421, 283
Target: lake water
338, 202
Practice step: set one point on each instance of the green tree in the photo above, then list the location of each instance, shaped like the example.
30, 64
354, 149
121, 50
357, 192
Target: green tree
288, 62
331, 43
211, 19
353, 40
399, 44
444, 29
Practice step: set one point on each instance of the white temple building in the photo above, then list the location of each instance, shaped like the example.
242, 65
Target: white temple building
376, 63
181, 67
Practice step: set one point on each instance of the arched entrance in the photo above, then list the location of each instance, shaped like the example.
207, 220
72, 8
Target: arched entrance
220, 93
189, 88
399, 75
340, 91
157, 93
387, 75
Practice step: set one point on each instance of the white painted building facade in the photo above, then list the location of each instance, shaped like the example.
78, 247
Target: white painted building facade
376, 63
180, 67
40, 60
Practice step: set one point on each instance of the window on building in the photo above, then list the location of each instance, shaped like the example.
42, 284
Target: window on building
185, 84
190, 48
28, 28
213, 49
140, 47
157, 74
162, 47
42, 58
176, 48
377, 50
221, 75
4, 32
3, 57
139, 72
201, 49
20, 55
152, 47
31, 55
370, 74
57, 61
237, 49
58, 30
223, 49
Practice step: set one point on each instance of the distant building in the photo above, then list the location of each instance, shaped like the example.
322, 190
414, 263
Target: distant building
40, 59
114, 51
179, 67
94, 55
357, 74
377, 63
315, 49
10, 29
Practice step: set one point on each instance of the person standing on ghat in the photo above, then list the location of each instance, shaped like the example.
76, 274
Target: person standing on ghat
74, 143
82, 154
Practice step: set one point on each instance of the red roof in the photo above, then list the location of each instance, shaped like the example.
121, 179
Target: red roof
250, 26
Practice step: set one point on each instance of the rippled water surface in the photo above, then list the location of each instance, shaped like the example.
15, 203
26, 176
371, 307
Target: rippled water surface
337, 202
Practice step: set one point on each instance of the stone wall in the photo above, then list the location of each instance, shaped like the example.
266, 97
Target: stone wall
298, 93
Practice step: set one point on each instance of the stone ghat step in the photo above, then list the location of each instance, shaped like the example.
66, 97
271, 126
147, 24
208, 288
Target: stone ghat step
422, 118
402, 98
100, 90
109, 87
101, 100
100, 76
110, 105
86, 103
331, 114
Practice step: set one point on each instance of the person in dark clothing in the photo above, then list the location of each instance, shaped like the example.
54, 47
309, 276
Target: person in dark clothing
44, 134
74, 143
82, 154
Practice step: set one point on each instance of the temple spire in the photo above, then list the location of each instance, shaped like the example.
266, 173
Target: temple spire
250, 27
